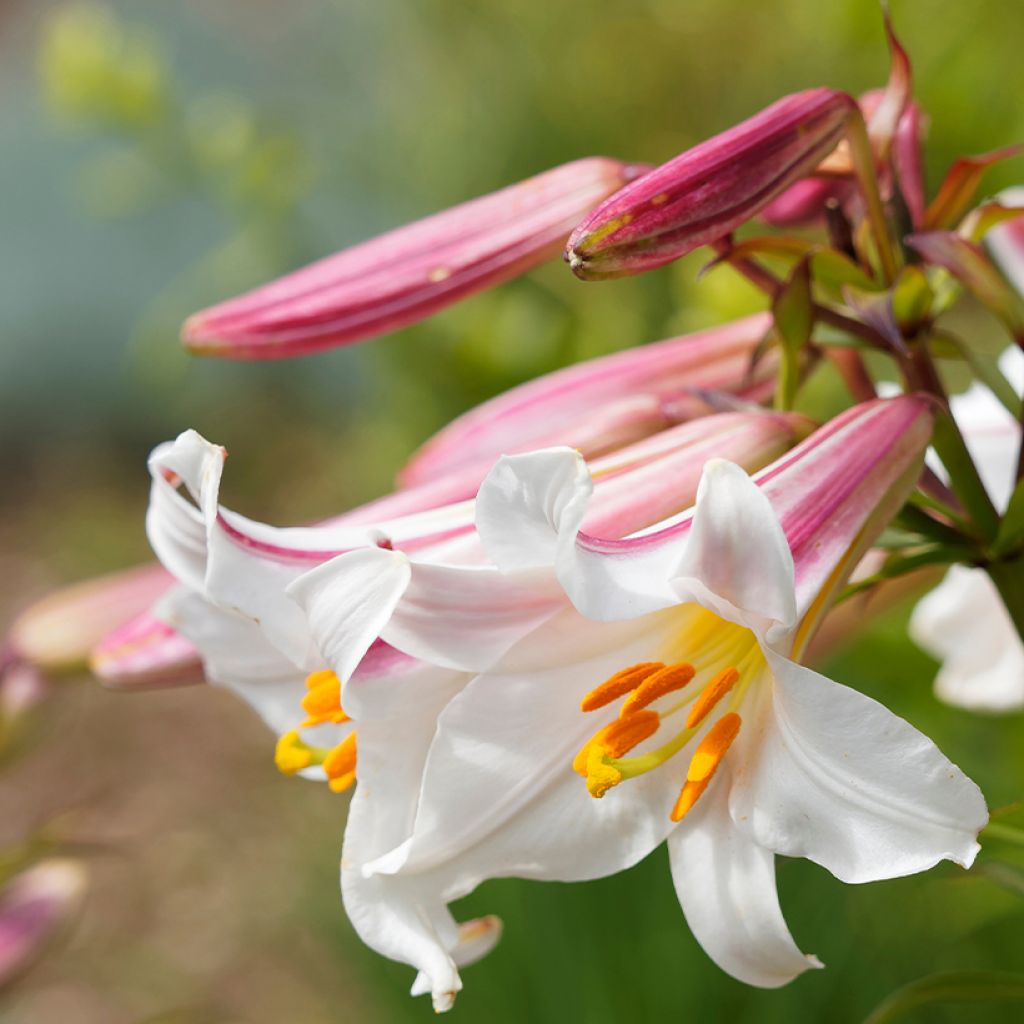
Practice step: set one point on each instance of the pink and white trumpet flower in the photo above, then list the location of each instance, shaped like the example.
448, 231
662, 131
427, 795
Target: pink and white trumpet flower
240, 603
694, 626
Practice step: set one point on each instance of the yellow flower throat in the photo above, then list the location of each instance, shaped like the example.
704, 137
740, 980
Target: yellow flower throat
723, 660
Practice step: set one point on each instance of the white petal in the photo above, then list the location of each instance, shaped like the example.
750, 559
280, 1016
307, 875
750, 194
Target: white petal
468, 617
238, 657
348, 600
398, 701
499, 794
726, 887
528, 502
826, 773
964, 624
476, 939
529, 512
737, 552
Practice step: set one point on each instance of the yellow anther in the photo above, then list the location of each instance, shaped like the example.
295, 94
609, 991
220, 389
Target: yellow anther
291, 755
623, 681
713, 693
600, 775
322, 702
666, 680
315, 679
710, 751
579, 762
340, 764
706, 759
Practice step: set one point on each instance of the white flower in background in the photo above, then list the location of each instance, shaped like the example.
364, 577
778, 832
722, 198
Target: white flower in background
963, 622
670, 684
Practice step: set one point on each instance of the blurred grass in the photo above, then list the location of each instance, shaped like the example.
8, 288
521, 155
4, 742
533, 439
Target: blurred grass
159, 157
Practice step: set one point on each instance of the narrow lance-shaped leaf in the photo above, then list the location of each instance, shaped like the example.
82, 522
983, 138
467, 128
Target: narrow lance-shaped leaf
957, 190
967, 262
794, 320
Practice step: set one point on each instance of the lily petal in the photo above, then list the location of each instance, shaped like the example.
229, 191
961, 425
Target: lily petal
725, 883
839, 779
964, 624
499, 796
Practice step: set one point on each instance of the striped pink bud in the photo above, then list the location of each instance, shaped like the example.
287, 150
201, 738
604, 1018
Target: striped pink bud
709, 190
408, 274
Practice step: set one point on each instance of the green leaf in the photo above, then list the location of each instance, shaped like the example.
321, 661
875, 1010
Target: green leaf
793, 313
1011, 529
836, 269
987, 216
949, 987
949, 346
958, 188
911, 299
900, 565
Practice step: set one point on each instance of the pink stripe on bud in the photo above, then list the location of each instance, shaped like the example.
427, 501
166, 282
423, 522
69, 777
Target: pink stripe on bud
600, 405
145, 654
709, 190
408, 274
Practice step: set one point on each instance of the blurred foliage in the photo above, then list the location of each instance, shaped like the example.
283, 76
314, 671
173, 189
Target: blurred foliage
160, 157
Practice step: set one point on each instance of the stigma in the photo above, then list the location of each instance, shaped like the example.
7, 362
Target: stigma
673, 702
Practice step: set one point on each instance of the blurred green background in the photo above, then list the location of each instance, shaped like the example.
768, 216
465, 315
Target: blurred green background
160, 156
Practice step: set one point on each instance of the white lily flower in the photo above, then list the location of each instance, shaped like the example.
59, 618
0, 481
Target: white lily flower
694, 625
963, 622
237, 605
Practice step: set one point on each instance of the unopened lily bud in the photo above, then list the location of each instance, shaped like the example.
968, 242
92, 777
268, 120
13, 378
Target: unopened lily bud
33, 907
709, 190
57, 633
408, 274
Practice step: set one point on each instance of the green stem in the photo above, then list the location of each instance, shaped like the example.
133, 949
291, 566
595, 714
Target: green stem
949, 443
864, 164
1009, 580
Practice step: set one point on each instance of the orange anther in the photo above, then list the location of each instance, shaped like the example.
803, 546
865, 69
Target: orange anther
625, 733
713, 693
315, 679
340, 764
666, 680
688, 796
706, 759
623, 681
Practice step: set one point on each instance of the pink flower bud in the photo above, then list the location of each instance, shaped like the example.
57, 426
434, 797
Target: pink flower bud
408, 274
709, 190
33, 907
